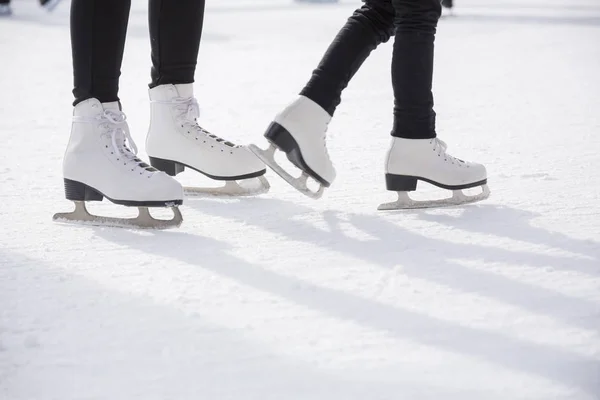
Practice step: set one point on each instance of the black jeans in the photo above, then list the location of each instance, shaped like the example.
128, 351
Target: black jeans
98, 30
414, 23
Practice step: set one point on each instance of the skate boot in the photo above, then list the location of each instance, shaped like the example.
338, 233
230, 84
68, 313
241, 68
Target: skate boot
175, 141
98, 163
49, 5
5, 10
413, 160
300, 132
447, 5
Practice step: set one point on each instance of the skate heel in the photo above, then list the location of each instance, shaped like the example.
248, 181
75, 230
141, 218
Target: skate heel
280, 137
77, 191
400, 183
171, 168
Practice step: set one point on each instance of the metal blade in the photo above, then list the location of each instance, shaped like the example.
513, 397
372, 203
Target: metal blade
458, 198
300, 183
143, 221
231, 188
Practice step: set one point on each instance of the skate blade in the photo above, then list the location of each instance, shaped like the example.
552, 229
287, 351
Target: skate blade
300, 183
458, 198
143, 221
231, 188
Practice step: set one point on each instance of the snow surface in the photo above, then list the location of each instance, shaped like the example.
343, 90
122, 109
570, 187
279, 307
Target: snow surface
283, 297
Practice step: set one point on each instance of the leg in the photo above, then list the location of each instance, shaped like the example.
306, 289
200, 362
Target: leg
175, 140
175, 32
412, 67
98, 29
99, 161
369, 26
416, 154
300, 129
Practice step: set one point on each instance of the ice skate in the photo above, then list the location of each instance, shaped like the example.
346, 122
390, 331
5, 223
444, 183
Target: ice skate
447, 7
300, 132
175, 141
98, 163
5, 10
49, 5
413, 160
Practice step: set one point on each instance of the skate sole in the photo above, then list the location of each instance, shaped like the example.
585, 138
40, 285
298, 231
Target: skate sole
408, 183
78, 191
279, 137
402, 184
173, 168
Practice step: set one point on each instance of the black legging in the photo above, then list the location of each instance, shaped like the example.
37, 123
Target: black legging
42, 2
414, 24
98, 30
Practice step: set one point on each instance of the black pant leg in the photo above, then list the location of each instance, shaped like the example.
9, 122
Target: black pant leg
175, 31
412, 67
369, 26
98, 30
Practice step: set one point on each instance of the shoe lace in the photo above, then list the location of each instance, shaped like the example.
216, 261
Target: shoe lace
114, 122
440, 146
189, 112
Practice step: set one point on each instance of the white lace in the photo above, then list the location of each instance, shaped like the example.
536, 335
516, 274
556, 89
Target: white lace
119, 132
114, 124
440, 146
189, 112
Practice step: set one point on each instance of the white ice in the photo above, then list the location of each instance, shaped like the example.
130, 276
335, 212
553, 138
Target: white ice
282, 297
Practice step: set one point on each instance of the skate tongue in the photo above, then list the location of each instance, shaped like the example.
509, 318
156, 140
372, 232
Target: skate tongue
111, 106
185, 90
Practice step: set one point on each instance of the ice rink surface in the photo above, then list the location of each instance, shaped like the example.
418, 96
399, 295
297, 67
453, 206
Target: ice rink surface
282, 297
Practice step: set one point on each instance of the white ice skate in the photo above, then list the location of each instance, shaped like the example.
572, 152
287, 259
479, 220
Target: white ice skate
175, 141
5, 10
50, 5
99, 164
413, 160
447, 8
300, 132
